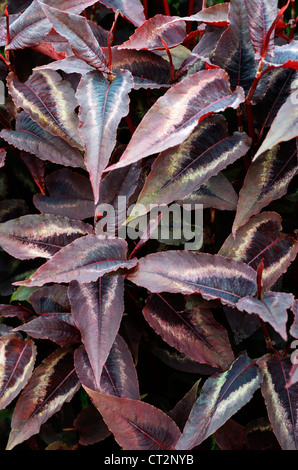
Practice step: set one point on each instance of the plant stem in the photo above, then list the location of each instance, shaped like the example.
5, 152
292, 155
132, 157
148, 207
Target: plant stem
204, 4
169, 56
191, 5
166, 8
268, 340
130, 124
145, 5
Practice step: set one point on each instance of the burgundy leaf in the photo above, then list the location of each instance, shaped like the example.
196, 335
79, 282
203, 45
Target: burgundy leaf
284, 126
69, 65
51, 300
193, 332
90, 426
261, 237
136, 425
272, 309
285, 56
267, 179
36, 168
179, 171
182, 409
84, 260
30, 137
132, 10
217, 192
52, 383
230, 436
102, 105
2, 157
77, 31
242, 325
261, 14
97, 309
12, 310
70, 195
281, 402
119, 377
52, 328
176, 114
50, 101
16, 366
293, 376
234, 51
221, 397
32, 26
212, 276
32, 236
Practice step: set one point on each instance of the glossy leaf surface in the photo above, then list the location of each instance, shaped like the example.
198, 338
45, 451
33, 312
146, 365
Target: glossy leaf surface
16, 366
221, 396
44, 395
132, 10
175, 115
32, 236
102, 105
213, 276
281, 402
85, 261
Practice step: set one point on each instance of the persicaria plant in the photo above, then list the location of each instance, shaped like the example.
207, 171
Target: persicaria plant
130, 129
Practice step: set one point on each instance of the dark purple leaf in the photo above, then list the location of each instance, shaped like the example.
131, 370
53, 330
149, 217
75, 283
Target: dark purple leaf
50, 101
182, 409
77, 31
272, 308
97, 309
242, 325
261, 14
32, 26
16, 366
193, 332
234, 51
136, 425
90, 426
69, 65
70, 195
132, 10
230, 436
52, 383
51, 300
12, 310
221, 397
30, 137
102, 105
84, 260
33, 236
12, 208
175, 115
179, 171
119, 377
285, 56
267, 179
281, 402
37, 168
258, 435
53, 328
217, 192
261, 237
212, 276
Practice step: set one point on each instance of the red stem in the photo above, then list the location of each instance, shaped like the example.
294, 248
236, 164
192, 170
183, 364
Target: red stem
166, 8
190, 12
129, 122
110, 39
204, 4
169, 56
145, 5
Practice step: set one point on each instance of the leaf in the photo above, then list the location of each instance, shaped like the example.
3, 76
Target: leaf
221, 397
31, 27
69, 65
70, 195
285, 56
52, 328
217, 192
52, 383
267, 179
175, 115
261, 237
97, 309
50, 101
90, 426
77, 31
261, 14
179, 171
193, 332
234, 51
83, 260
294, 327
51, 300
102, 105
148, 35
16, 366
133, 10
212, 276
182, 409
281, 402
230, 436
147, 68
285, 124
119, 377
30, 137
36, 168
136, 425
272, 308
33, 236
11, 310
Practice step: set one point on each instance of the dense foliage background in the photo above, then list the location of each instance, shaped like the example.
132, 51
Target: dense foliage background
107, 343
